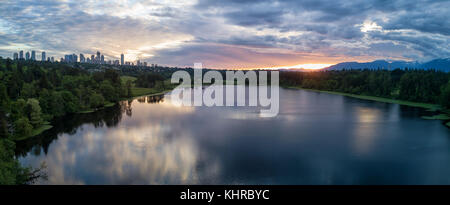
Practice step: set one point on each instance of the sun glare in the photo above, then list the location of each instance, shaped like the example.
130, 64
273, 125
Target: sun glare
311, 66
301, 66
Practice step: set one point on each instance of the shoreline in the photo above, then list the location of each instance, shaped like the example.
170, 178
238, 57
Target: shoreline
441, 115
47, 125
432, 107
149, 93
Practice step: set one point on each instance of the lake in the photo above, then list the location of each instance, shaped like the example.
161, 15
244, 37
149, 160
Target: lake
316, 138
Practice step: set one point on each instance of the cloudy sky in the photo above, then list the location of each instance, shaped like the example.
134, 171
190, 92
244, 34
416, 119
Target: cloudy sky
230, 34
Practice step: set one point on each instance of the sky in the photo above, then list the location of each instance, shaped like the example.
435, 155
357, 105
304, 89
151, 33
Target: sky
230, 34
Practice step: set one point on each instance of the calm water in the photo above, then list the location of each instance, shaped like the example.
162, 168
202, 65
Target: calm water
317, 138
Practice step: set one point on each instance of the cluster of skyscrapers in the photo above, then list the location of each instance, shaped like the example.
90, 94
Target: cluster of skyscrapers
73, 58
32, 56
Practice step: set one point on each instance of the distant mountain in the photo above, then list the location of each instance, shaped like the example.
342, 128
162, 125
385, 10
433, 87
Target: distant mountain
442, 64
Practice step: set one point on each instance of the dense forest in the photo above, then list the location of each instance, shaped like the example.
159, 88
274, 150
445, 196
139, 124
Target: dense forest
33, 94
410, 85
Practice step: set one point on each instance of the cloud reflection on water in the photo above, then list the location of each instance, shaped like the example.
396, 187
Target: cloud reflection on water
141, 150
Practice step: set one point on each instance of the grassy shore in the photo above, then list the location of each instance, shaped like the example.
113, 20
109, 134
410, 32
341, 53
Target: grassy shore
431, 107
45, 126
443, 115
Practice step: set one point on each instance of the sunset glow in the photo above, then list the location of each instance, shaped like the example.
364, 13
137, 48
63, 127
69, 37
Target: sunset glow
227, 35
300, 66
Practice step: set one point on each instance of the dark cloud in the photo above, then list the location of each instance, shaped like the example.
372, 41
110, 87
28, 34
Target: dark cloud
233, 31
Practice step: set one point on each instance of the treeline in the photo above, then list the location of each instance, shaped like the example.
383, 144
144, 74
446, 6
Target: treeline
149, 80
411, 85
34, 93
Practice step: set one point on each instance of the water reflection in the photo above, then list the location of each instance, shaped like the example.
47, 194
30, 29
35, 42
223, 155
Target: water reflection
316, 139
97, 150
366, 132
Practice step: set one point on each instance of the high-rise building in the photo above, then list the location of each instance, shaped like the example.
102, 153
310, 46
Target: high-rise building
102, 59
98, 57
71, 58
122, 59
33, 55
48, 59
74, 58
52, 59
82, 59
16, 56
20, 54
43, 56
27, 56
92, 59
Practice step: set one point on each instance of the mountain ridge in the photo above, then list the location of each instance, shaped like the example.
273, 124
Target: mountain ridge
441, 64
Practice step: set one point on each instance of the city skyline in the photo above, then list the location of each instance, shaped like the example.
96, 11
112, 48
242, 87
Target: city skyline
74, 58
232, 34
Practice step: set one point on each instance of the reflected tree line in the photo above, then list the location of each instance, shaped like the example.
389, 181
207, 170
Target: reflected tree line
109, 117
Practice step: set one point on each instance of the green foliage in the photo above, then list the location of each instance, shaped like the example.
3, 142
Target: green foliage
3, 126
407, 85
10, 170
148, 80
32, 92
129, 88
34, 112
19, 109
445, 97
108, 91
4, 98
28, 90
96, 100
22, 127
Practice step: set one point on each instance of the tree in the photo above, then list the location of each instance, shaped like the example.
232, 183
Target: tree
148, 80
11, 172
28, 91
8, 165
19, 109
108, 91
3, 126
14, 83
445, 96
129, 90
44, 83
34, 112
96, 100
98, 76
113, 76
22, 127
55, 103
71, 103
4, 98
